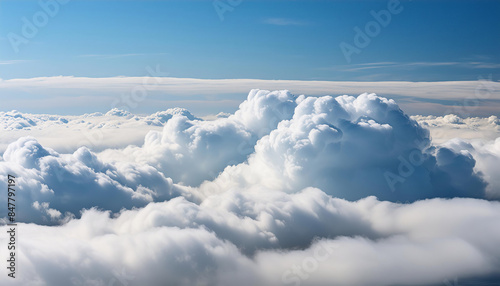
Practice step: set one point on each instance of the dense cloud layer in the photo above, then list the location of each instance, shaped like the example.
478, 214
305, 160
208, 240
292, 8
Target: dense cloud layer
258, 197
349, 147
182, 243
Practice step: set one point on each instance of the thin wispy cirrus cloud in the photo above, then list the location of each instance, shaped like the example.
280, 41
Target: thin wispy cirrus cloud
409, 65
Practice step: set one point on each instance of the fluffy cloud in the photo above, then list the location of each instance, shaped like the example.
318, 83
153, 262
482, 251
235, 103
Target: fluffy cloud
67, 183
161, 117
444, 128
96, 131
351, 148
14, 120
66, 134
487, 154
182, 243
191, 151
288, 198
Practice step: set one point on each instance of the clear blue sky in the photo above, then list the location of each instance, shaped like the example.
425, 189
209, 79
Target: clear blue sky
427, 41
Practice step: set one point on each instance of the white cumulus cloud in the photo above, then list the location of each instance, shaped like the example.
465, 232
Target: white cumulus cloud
288, 190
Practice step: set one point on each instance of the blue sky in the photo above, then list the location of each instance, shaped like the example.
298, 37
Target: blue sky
298, 40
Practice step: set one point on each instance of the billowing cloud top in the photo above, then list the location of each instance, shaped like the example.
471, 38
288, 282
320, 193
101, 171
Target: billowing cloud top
288, 190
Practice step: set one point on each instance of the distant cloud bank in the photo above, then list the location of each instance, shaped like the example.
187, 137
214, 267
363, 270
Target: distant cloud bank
78, 95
